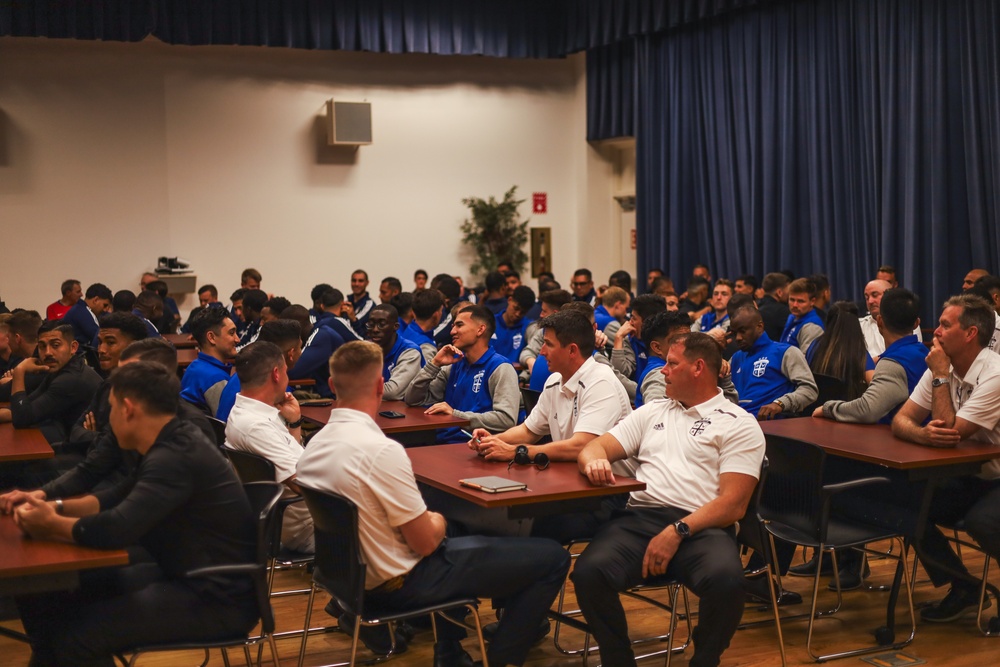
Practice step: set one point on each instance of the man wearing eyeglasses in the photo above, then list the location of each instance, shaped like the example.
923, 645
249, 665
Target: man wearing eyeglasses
583, 286
402, 357
700, 457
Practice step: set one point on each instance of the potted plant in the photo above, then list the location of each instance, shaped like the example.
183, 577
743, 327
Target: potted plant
495, 232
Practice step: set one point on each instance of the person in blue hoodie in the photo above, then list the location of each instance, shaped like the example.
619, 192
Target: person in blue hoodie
469, 378
402, 359
510, 336
804, 325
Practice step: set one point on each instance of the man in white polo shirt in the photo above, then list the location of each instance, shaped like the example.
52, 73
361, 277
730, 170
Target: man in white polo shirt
700, 457
960, 392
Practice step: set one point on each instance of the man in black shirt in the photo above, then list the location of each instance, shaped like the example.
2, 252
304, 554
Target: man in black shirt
22, 338
773, 305
64, 393
185, 507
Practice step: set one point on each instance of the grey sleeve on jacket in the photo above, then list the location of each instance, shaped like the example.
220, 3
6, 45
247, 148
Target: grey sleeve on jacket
407, 367
506, 402
807, 334
795, 368
623, 360
612, 329
429, 351
630, 385
429, 385
533, 348
728, 389
654, 386
887, 391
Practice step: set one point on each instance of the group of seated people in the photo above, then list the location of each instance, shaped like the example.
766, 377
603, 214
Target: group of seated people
136, 464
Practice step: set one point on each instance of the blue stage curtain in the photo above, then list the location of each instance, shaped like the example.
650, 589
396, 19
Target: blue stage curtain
611, 91
110, 20
827, 136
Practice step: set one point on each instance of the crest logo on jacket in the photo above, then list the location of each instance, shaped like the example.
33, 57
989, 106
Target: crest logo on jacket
477, 381
760, 366
516, 341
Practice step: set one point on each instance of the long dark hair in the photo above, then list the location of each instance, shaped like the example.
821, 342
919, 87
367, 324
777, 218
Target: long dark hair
840, 351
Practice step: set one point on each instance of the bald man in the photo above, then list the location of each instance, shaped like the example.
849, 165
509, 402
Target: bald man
874, 341
971, 277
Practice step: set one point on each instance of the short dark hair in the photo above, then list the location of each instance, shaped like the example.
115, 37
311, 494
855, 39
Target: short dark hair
157, 286
67, 286
332, 297
123, 301
749, 279
420, 272
482, 315
494, 281
697, 283
557, 298
209, 288
613, 296
386, 308
393, 283
277, 304
821, 281
661, 325
900, 311
153, 350
146, 301
250, 273
977, 312
699, 345
512, 272
524, 297
990, 283
319, 290
127, 323
238, 294
802, 286
449, 288
255, 361
647, 305
738, 301
585, 273
546, 274
887, 268
361, 271
25, 323
210, 319
621, 278
253, 301
151, 384
403, 302
284, 332
98, 290
571, 328
426, 303
581, 307
300, 314
57, 326
773, 281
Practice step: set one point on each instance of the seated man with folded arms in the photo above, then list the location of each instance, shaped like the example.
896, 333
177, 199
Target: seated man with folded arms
771, 378
208, 374
84, 313
62, 396
106, 464
71, 293
282, 333
804, 324
960, 393
628, 354
682, 525
469, 379
402, 358
330, 313
266, 420
511, 324
612, 311
552, 301
184, 506
427, 305
410, 563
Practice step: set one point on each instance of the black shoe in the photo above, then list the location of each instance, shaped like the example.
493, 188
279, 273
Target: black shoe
757, 593
808, 569
375, 637
333, 608
490, 631
449, 653
850, 578
955, 605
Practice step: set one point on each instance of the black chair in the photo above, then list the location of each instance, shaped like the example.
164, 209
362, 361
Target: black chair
263, 498
991, 627
830, 389
530, 398
340, 570
219, 429
795, 506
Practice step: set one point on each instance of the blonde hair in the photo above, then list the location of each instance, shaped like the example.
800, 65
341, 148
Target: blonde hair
354, 368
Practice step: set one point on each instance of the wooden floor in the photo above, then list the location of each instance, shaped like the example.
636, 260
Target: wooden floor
958, 644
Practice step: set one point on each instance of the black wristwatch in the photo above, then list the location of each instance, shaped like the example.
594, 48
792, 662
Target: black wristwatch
683, 530
295, 424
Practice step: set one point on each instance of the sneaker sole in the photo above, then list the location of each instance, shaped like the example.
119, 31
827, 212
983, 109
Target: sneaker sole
968, 611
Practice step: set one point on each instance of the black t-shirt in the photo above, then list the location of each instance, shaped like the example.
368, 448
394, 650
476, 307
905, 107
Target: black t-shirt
58, 401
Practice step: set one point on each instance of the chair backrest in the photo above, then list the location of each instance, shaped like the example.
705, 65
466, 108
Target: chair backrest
264, 497
791, 492
530, 398
830, 389
219, 428
339, 567
751, 532
250, 467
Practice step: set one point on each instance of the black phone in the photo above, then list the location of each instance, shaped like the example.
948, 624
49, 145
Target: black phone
391, 414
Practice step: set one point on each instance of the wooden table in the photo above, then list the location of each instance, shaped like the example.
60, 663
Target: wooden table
31, 566
23, 444
181, 341
559, 488
415, 419
186, 356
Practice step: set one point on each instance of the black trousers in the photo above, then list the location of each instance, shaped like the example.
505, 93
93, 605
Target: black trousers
122, 608
708, 563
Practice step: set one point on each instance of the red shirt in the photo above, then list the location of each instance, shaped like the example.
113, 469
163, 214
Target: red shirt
56, 311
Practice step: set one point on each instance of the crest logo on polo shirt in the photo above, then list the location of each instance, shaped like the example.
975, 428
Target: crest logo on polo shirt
759, 366
658, 427
699, 426
477, 381
516, 341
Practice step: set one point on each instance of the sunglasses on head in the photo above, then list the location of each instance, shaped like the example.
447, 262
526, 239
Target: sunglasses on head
522, 458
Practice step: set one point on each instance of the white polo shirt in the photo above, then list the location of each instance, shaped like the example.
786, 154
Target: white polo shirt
591, 401
874, 342
352, 457
976, 398
682, 452
256, 427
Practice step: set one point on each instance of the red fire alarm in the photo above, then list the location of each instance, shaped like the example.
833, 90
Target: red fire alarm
634, 243
539, 202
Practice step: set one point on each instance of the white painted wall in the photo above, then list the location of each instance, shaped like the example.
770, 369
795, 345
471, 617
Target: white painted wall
113, 154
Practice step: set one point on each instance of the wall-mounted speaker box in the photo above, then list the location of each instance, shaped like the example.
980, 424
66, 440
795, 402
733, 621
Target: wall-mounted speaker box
349, 123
